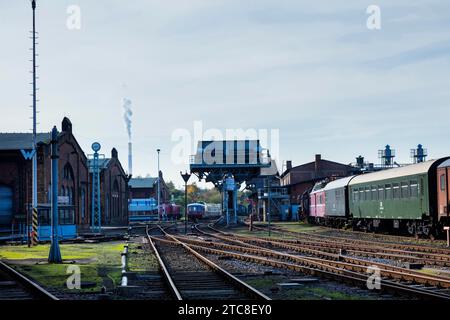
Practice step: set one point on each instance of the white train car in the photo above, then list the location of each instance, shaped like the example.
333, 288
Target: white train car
212, 210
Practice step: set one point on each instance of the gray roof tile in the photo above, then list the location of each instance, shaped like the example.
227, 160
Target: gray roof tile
17, 141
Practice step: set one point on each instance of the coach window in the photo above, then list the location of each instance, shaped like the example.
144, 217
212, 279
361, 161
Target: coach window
405, 190
380, 193
367, 194
388, 191
396, 189
374, 193
442, 182
361, 194
413, 188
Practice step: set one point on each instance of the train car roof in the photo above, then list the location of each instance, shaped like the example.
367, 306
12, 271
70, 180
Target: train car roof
408, 170
316, 190
444, 164
339, 183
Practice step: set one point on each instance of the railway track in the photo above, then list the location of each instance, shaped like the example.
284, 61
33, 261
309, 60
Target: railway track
423, 248
367, 249
15, 286
387, 237
353, 270
190, 275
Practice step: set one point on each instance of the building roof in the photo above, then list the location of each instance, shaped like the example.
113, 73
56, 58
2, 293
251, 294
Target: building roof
444, 164
142, 182
310, 166
409, 170
270, 171
102, 162
18, 141
338, 183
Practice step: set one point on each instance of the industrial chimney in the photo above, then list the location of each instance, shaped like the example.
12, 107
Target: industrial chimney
130, 158
127, 117
317, 161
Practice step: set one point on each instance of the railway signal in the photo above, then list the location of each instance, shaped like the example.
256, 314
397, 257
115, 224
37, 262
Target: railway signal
185, 177
96, 206
159, 190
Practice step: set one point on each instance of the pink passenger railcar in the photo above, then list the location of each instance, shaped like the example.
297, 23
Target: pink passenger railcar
317, 203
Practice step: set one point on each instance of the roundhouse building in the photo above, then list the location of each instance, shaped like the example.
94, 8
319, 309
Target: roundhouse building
16, 181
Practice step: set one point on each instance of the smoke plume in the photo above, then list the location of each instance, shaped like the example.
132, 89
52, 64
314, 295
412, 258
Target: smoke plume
127, 115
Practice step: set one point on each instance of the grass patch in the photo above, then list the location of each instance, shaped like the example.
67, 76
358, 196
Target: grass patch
99, 263
298, 226
140, 259
305, 292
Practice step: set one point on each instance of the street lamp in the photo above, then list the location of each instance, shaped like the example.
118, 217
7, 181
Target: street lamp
268, 202
185, 177
55, 253
159, 191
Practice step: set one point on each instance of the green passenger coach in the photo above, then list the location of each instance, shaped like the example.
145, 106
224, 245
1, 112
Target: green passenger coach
397, 198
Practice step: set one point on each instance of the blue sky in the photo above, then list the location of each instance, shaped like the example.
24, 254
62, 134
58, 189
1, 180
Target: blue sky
310, 69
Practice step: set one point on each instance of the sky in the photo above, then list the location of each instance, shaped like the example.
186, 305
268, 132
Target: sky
310, 69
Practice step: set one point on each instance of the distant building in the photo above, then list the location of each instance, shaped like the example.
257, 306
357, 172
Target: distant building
303, 177
146, 188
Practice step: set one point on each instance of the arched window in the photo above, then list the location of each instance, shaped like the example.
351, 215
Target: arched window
68, 172
70, 194
83, 205
115, 199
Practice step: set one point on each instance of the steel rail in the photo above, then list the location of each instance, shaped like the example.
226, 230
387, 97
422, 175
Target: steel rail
425, 249
34, 289
221, 271
380, 236
348, 263
375, 251
173, 289
328, 272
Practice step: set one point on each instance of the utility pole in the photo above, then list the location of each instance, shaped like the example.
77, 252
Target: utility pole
34, 160
159, 190
55, 253
268, 203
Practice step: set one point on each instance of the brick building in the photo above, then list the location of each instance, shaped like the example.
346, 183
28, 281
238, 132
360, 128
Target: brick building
74, 184
16, 178
303, 177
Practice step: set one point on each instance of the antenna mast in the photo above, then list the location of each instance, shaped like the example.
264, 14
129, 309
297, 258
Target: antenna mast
34, 168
